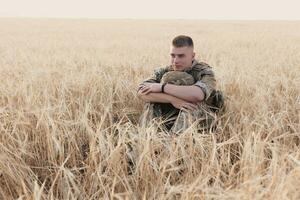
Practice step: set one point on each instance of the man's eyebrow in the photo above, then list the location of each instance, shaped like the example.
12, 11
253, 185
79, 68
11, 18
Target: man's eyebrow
180, 54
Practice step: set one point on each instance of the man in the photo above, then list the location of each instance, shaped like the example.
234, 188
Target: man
180, 106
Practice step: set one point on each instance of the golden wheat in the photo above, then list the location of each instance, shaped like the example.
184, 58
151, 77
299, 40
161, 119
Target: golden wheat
69, 111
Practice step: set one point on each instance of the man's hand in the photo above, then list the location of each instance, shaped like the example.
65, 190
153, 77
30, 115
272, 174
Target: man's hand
146, 88
182, 104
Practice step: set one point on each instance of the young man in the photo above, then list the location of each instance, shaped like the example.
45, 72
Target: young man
180, 106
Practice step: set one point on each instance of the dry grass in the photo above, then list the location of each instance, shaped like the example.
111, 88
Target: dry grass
68, 111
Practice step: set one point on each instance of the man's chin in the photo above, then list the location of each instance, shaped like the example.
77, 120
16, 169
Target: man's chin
178, 68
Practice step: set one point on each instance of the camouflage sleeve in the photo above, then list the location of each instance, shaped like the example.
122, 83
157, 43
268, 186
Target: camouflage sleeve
155, 78
205, 79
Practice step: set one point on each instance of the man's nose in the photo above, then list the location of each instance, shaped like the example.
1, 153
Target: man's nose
176, 59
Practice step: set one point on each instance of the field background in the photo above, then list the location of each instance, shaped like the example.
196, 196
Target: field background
69, 111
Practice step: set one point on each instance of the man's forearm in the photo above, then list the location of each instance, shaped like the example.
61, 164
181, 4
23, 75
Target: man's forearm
189, 93
157, 97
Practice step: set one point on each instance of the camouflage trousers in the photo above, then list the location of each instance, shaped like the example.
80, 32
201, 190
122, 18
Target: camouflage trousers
175, 120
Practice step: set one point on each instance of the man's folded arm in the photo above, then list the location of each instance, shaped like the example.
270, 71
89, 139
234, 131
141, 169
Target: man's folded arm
157, 97
200, 91
191, 93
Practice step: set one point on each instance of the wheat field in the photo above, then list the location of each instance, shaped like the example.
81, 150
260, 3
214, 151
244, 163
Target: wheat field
69, 111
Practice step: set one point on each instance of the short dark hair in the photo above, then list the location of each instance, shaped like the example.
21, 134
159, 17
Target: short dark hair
182, 41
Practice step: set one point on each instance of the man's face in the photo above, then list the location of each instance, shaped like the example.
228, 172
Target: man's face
181, 57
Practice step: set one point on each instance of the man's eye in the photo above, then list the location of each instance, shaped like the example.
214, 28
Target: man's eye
180, 56
173, 56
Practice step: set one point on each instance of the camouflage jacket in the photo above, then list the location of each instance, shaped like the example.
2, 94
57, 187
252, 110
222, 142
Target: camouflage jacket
201, 72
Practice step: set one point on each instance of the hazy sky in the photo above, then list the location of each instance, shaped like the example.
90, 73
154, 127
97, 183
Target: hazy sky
170, 9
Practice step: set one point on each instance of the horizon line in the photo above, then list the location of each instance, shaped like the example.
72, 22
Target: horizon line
136, 18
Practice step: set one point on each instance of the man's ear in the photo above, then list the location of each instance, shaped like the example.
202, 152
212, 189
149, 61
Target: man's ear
194, 55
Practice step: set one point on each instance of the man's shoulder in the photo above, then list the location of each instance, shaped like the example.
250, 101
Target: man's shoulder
161, 70
199, 66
